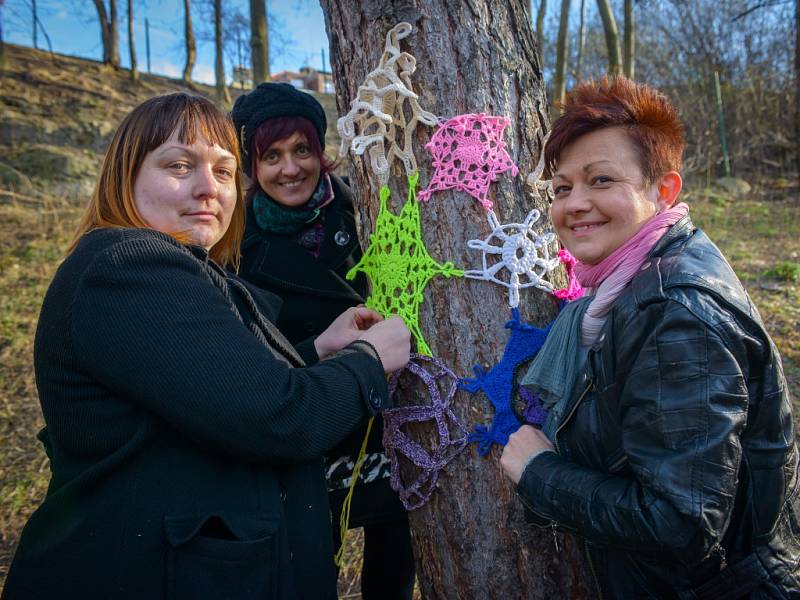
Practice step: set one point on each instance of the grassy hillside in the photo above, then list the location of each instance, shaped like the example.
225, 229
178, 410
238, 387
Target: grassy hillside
58, 114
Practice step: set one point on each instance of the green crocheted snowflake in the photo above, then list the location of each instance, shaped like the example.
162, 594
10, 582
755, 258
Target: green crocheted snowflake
398, 264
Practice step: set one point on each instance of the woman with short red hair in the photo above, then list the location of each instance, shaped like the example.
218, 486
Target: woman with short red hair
669, 446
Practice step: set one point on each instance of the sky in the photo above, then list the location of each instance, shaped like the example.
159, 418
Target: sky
74, 29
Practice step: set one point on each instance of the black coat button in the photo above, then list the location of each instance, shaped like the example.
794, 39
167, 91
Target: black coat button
309, 325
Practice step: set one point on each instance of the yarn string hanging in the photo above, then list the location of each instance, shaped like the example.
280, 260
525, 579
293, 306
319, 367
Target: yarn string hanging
498, 383
397, 443
468, 155
379, 110
574, 290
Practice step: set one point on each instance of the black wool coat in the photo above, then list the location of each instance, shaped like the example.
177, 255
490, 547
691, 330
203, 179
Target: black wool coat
185, 435
314, 292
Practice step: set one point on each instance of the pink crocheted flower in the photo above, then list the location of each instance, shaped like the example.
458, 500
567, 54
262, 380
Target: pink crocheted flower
573, 291
468, 154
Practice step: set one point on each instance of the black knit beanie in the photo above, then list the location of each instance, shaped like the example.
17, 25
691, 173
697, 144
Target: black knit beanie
270, 100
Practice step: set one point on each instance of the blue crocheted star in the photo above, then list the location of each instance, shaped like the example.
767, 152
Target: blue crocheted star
498, 383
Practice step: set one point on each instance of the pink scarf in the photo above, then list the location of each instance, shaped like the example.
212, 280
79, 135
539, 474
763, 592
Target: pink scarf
610, 276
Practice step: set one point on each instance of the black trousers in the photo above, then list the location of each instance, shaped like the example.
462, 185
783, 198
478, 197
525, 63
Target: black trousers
387, 572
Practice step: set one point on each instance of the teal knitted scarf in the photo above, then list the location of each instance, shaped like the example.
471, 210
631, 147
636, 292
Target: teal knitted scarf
276, 218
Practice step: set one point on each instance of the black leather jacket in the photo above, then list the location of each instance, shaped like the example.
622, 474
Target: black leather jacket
676, 459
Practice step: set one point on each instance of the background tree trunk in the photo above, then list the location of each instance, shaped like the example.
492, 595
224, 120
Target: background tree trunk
108, 32
629, 54
131, 46
612, 36
191, 48
470, 540
797, 85
540, 14
223, 95
259, 41
581, 42
562, 47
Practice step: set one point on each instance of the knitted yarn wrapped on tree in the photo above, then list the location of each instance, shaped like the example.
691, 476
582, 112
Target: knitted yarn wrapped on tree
468, 154
398, 264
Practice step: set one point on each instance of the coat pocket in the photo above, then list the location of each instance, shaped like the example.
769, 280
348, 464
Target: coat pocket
221, 556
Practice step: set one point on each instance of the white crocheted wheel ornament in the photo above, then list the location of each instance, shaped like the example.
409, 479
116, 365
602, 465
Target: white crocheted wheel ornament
520, 251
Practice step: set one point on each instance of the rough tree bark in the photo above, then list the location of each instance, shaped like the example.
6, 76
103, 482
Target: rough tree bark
191, 47
562, 47
259, 41
470, 540
612, 36
223, 95
629, 54
797, 84
131, 46
108, 31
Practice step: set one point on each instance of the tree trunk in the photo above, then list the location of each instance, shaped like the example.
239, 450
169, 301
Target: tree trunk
540, 14
259, 41
797, 85
131, 46
581, 42
612, 37
191, 48
470, 540
562, 47
108, 32
630, 41
223, 95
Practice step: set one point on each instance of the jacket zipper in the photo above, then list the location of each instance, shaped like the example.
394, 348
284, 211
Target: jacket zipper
571, 412
594, 573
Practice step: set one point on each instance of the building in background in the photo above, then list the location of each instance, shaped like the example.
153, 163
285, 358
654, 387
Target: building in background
307, 79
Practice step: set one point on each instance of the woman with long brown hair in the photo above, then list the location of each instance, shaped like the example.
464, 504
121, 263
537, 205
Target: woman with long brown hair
185, 433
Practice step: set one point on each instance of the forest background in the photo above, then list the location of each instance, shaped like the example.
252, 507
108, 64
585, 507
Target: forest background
731, 67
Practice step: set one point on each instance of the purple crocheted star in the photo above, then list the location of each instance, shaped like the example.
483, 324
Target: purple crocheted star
498, 383
468, 154
534, 413
395, 440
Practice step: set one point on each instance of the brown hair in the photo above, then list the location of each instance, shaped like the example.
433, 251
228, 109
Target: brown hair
144, 129
646, 115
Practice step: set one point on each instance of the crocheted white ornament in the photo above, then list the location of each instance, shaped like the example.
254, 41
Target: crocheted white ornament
379, 110
522, 252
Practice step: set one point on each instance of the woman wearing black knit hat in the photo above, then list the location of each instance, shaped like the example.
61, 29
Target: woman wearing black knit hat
300, 241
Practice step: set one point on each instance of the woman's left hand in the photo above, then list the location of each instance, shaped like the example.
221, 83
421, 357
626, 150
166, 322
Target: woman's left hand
347, 328
522, 445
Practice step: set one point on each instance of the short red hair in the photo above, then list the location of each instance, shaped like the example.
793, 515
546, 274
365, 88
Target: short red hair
646, 115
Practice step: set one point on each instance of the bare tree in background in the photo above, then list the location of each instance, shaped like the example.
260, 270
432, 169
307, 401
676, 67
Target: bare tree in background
540, 14
109, 32
562, 46
2, 39
259, 41
581, 42
131, 46
470, 540
629, 55
223, 95
612, 36
190, 45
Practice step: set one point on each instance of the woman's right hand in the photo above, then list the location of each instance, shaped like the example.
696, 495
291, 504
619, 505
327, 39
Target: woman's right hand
392, 341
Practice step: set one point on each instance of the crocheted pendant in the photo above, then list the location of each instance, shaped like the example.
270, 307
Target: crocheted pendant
437, 377
379, 110
468, 154
498, 383
398, 264
523, 254
574, 290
